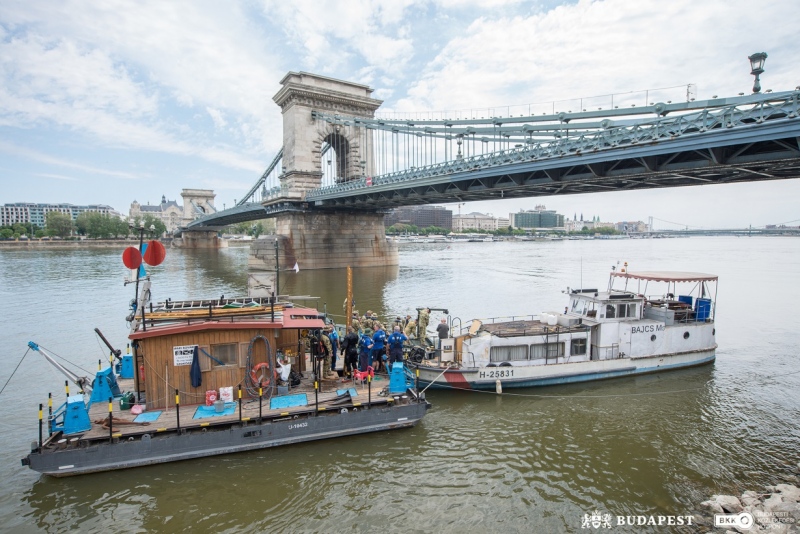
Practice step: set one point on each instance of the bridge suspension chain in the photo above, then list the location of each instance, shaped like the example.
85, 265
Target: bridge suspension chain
405, 149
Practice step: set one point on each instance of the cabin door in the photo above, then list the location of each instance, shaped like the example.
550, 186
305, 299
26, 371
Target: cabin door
624, 341
594, 342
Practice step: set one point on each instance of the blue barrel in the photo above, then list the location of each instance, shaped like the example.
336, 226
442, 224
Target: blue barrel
702, 309
686, 299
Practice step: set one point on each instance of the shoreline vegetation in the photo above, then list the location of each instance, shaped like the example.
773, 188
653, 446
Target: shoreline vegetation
72, 243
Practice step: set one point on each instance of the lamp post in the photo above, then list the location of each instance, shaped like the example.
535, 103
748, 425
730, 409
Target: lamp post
757, 65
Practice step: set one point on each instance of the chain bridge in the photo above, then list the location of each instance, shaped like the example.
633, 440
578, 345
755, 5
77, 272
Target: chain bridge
341, 167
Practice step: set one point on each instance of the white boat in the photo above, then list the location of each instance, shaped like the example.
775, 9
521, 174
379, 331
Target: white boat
626, 330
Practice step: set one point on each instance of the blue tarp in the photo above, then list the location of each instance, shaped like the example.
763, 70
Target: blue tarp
288, 401
353, 392
147, 417
210, 411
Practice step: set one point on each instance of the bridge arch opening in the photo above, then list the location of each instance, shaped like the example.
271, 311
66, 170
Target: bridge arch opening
335, 154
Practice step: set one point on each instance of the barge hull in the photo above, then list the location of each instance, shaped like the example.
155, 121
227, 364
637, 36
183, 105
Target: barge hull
196, 442
557, 375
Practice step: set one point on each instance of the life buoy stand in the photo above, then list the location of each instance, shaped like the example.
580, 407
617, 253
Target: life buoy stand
263, 379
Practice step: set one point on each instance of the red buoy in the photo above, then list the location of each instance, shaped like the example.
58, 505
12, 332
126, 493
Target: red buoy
155, 253
132, 258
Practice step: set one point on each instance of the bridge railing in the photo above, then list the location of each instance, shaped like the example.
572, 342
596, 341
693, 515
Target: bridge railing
781, 106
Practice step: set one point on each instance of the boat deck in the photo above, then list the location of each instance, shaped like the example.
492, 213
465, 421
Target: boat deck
334, 395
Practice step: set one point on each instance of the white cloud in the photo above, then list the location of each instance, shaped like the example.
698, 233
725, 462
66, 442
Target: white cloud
41, 157
216, 116
56, 176
600, 47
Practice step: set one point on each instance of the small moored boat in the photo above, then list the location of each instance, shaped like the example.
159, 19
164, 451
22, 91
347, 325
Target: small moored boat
632, 327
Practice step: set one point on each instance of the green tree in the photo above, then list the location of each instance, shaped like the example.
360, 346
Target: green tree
59, 224
256, 230
158, 227
434, 230
100, 226
118, 227
6, 233
20, 229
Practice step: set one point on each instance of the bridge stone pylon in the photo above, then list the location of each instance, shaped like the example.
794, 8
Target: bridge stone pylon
317, 238
304, 137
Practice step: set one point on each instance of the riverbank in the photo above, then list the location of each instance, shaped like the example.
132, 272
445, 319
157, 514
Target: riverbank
37, 244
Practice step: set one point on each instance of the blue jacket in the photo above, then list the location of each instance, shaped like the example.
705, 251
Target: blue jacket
396, 340
364, 344
378, 339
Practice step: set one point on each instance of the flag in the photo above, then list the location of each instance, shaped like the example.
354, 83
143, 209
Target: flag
296, 267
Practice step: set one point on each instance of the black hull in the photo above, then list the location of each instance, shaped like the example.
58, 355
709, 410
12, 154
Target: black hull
163, 447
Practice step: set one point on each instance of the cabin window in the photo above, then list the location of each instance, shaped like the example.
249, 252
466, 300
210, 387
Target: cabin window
506, 354
225, 353
626, 310
205, 361
611, 311
547, 350
577, 347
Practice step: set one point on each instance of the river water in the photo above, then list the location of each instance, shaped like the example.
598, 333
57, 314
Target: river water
532, 460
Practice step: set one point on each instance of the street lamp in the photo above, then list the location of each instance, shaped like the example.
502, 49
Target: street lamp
757, 65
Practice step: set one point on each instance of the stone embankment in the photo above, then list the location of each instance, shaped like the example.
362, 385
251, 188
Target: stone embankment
774, 511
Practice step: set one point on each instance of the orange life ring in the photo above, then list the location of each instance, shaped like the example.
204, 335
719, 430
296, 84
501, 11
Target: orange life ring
262, 380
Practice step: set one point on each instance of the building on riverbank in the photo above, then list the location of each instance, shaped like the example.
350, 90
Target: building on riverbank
421, 217
539, 217
196, 203
479, 221
36, 213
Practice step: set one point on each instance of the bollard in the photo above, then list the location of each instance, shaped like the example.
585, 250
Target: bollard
369, 389
110, 419
40, 427
178, 411
49, 413
240, 403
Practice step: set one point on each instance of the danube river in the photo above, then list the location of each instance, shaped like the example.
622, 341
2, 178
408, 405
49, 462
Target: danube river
533, 460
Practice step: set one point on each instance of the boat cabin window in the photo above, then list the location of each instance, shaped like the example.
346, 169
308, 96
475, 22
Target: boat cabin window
577, 347
620, 310
506, 354
225, 353
547, 350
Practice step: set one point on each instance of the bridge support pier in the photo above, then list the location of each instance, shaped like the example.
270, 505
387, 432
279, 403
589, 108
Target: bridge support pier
205, 239
326, 241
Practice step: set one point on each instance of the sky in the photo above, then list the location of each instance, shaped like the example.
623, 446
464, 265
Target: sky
115, 101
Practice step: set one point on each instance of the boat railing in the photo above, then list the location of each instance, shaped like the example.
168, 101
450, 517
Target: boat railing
492, 320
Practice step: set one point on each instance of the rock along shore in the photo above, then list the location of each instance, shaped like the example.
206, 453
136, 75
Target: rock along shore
775, 511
